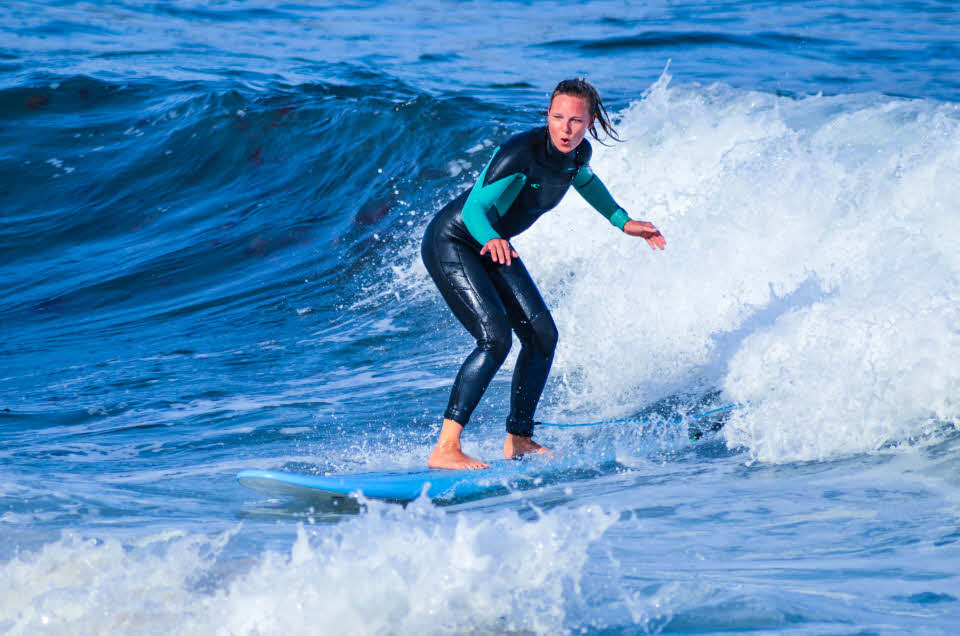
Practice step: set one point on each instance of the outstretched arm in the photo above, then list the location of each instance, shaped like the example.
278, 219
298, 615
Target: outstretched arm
596, 194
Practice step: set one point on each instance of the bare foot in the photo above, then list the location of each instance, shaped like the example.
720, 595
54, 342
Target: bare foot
444, 457
447, 453
517, 446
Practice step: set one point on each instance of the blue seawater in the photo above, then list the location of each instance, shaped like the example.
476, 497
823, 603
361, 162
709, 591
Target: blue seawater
209, 237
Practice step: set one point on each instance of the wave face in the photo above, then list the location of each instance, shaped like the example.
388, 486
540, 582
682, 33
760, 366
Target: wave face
210, 234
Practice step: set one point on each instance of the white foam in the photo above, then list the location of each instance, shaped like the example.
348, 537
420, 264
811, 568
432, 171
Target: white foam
390, 571
811, 249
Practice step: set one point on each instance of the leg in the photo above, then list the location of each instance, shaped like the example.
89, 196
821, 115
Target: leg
466, 286
529, 378
534, 325
539, 341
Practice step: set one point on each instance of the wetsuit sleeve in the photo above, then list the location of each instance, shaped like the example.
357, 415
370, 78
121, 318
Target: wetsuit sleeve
486, 198
595, 193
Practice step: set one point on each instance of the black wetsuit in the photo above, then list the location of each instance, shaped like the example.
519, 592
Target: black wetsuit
526, 177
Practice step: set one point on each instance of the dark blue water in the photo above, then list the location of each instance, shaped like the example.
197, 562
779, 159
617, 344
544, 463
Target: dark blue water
210, 226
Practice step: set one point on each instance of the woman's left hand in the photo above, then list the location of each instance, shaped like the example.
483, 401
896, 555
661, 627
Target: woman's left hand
647, 231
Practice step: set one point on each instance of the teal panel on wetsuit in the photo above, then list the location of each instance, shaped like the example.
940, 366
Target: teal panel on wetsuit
595, 193
498, 195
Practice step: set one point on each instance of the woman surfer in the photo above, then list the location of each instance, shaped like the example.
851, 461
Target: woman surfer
467, 252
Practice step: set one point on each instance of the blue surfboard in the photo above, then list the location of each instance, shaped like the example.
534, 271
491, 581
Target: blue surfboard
448, 485
436, 484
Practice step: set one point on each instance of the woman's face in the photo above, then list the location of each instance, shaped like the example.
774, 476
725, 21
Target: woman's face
568, 120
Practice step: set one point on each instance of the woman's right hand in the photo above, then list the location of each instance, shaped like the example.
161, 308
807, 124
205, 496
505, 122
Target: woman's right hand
500, 251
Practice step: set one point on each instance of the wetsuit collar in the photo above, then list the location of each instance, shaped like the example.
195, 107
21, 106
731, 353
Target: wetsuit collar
553, 154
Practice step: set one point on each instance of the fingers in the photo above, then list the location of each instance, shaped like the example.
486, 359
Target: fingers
500, 251
654, 240
649, 232
491, 249
508, 252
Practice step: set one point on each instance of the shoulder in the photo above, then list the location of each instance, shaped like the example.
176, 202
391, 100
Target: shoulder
523, 144
514, 155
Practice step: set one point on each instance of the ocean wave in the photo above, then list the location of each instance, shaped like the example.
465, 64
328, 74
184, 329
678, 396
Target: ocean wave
788, 216
148, 198
692, 39
809, 268
391, 571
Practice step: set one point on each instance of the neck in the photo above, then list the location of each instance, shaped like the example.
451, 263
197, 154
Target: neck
555, 153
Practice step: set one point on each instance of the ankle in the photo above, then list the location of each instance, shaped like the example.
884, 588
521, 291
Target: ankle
450, 435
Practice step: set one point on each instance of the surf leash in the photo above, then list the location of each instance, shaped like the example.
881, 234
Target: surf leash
646, 420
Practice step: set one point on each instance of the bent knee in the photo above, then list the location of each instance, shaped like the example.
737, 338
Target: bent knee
545, 333
496, 341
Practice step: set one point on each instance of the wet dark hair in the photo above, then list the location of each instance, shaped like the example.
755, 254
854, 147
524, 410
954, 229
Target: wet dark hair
579, 87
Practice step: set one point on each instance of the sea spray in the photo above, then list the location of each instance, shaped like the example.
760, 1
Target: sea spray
808, 268
389, 571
